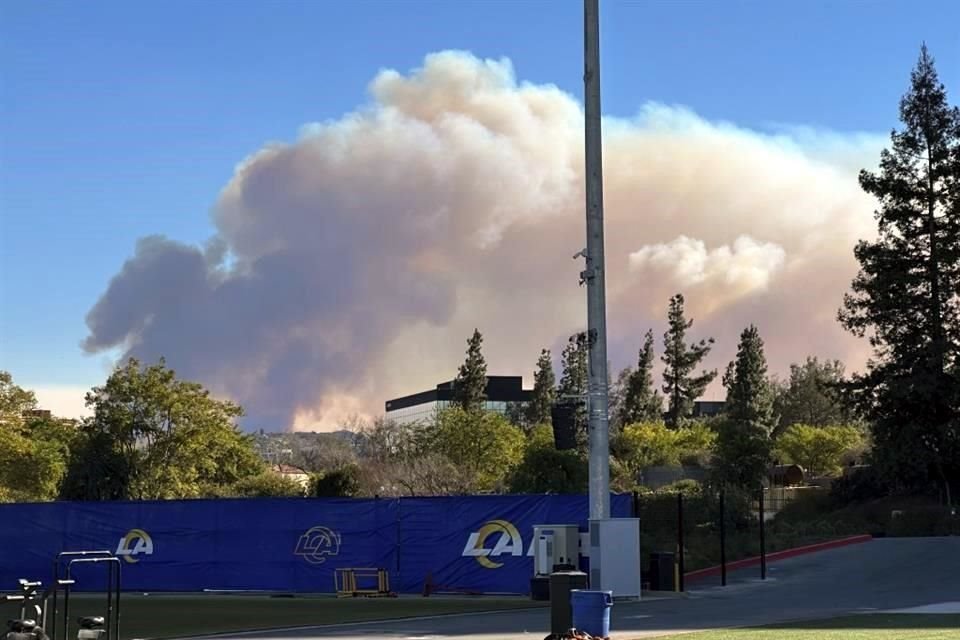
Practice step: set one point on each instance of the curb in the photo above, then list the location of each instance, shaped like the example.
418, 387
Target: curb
778, 555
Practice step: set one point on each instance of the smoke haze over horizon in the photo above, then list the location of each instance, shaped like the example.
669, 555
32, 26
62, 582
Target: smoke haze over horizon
351, 265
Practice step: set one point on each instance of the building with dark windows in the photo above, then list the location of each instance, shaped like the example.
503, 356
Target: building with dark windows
704, 409
708, 408
502, 391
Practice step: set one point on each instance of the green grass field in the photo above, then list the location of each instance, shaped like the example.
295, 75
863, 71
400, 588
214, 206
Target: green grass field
860, 627
167, 616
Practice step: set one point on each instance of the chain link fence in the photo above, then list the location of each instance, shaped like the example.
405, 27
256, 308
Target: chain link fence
708, 527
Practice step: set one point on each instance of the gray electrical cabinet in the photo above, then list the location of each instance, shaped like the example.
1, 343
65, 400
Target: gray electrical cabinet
615, 557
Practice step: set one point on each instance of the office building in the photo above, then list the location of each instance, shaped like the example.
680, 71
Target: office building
502, 391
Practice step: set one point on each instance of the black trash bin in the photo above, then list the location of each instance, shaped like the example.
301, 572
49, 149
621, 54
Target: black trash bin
661, 574
561, 610
540, 588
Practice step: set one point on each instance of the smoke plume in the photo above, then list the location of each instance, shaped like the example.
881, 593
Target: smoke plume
351, 265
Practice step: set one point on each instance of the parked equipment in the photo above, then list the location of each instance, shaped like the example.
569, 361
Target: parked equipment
556, 548
91, 628
36, 605
24, 629
31, 610
88, 627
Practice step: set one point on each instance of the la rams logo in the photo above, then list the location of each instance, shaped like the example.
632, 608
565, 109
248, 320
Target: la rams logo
317, 543
508, 541
136, 541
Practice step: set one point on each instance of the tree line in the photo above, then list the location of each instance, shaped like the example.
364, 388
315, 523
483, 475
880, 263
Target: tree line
803, 419
152, 435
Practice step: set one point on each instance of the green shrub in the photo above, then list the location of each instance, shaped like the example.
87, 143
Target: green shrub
687, 486
924, 521
819, 450
861, 485
650, 444
546, 470
808, 505
264, 485
340, 483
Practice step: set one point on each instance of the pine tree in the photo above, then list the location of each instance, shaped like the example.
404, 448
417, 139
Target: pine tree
470, 386
641, 402
749, 394
680, 387
906, 296
573, 382
743, 444
544, 391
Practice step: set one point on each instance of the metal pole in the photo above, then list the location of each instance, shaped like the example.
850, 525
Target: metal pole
593, 274
723, 541
680, 539
116, 624
66, 608
763, 542
108, 619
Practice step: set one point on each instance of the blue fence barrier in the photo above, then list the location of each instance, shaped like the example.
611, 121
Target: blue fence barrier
477, 543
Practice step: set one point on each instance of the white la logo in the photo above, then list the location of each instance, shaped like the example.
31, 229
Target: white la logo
141, 543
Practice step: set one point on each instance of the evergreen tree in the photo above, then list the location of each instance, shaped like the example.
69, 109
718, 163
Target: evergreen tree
679, 385
544, 391
470, 386
573, 382
641, 402
749, 394
616, 395
906, 296
810, 396
743, 444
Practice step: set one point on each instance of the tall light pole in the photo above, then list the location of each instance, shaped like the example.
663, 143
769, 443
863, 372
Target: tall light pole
593, 274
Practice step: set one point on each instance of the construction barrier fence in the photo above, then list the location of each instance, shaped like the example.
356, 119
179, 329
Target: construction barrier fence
479, 544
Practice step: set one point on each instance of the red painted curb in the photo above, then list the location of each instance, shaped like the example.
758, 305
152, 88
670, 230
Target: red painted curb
778, 555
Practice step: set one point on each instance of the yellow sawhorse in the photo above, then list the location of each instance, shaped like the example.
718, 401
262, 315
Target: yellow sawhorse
347, 582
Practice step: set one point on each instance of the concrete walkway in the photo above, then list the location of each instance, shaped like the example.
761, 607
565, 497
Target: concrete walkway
884, 574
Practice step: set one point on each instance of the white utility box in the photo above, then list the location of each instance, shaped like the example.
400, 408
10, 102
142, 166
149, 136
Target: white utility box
615, 557
555, 545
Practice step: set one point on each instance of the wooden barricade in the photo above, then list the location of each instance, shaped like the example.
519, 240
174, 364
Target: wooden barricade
352, 582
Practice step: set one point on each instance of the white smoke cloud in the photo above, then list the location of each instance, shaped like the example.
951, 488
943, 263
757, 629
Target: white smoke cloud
747, 266
351, 265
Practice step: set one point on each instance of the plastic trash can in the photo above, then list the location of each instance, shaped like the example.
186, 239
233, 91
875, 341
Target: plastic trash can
591, 611
661, 574
562, 584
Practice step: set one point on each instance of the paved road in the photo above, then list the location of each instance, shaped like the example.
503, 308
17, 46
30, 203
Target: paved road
881, 574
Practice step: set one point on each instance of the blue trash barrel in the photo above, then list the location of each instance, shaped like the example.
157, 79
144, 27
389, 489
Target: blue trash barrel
591, 611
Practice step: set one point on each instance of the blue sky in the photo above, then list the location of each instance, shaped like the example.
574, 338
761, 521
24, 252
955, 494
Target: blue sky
119, 120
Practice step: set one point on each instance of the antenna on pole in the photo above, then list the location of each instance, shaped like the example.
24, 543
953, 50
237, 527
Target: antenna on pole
593, 275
